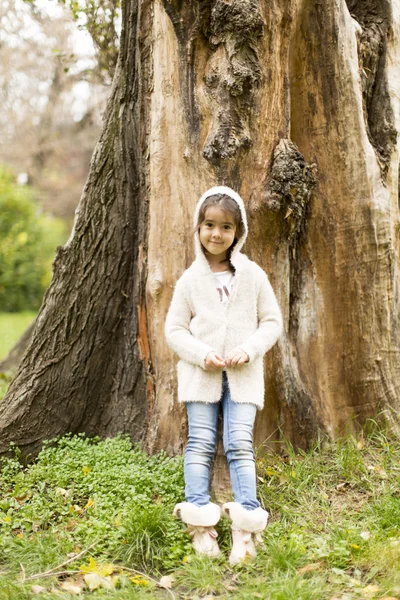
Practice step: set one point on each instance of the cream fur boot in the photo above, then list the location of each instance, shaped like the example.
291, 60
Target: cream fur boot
247, 526
201, 521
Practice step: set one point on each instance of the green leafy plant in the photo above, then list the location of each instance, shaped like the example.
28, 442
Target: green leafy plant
28, 240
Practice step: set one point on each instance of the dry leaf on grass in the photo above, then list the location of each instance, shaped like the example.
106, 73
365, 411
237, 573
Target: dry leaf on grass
309, 568
371, 590
95, 581
72, 587
166, 582
38, 589
228, 585
98, 568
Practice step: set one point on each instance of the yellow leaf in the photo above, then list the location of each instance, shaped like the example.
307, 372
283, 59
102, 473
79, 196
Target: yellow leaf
355, 546
99, 569
7, 519
89, 503
138, 580
86, 470
20, 535
186, 559
293, 474
22, 237
270, 472
90, 567
118, 520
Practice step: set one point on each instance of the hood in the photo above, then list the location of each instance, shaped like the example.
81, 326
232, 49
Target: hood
221, 189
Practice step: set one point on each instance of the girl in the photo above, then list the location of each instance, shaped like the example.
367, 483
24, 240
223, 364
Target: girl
223, 318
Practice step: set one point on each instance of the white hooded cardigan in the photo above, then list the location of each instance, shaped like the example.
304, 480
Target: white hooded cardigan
197, 323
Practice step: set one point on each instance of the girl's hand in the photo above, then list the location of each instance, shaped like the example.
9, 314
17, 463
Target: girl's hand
214, 362
236, 358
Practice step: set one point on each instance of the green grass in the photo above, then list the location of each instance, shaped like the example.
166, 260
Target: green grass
334, 529
12, 326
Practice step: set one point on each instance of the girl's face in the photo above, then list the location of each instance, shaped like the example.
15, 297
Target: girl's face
217, 232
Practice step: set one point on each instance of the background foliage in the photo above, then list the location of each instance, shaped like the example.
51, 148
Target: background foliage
28, 239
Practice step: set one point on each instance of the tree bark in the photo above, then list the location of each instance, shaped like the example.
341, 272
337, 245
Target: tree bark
294, 103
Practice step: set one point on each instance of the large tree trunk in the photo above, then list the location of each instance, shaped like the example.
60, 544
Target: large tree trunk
296, 105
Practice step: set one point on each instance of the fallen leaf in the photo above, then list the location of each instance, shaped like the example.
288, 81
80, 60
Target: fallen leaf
62, 492
138, 580
360, 445
86, 470
381, 472
389, 598
118, 520
309, 568
99, 569
38, 589
71, 586
95, 581
166, 582
371, 590
89, 503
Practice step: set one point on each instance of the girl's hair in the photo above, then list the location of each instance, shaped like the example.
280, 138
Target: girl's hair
228, 205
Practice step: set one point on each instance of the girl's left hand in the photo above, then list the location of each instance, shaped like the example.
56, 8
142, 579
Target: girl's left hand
236, 358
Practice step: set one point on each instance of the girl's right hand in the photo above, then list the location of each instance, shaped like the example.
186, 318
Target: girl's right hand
214, 362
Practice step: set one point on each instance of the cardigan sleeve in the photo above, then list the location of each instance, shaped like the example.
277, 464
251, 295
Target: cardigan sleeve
270, 323
177, 332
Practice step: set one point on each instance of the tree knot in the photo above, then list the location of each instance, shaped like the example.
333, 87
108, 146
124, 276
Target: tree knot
289, 186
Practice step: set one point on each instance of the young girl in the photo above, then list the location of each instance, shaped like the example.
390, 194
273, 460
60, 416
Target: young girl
223, 318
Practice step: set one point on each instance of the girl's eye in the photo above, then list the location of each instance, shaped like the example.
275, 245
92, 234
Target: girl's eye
227, 226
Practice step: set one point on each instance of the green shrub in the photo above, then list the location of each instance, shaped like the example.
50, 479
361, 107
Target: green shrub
28, 239
81, 490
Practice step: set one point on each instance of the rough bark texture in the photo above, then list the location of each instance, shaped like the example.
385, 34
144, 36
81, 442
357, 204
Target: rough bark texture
83, 369
295, 103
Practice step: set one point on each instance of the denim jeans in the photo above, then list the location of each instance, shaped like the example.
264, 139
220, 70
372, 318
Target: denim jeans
238, 422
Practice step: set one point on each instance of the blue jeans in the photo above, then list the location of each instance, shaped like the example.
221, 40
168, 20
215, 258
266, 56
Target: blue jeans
238, 446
